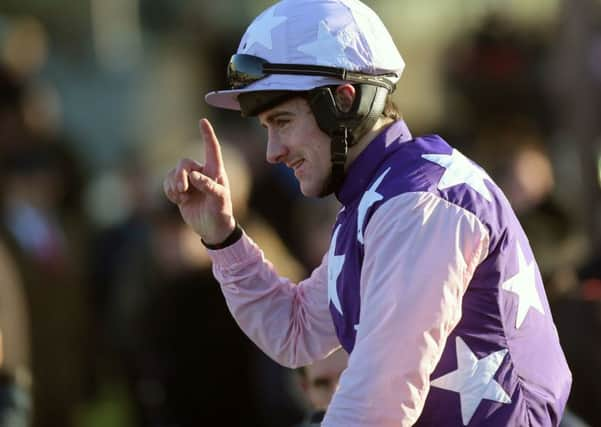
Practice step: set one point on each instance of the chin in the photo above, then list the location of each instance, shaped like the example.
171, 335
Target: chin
310, 189
316, 189
310, 192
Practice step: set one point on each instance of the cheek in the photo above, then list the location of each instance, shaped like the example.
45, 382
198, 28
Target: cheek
323, 154
291, 137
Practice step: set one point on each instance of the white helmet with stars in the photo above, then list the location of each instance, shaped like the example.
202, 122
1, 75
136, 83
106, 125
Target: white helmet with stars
342, 34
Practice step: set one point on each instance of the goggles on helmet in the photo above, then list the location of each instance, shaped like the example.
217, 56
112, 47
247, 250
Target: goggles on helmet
244, 69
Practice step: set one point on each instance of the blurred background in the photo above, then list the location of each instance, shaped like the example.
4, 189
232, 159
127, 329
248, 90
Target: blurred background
109, 314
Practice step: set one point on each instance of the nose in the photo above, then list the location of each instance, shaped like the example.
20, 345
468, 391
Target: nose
276, 151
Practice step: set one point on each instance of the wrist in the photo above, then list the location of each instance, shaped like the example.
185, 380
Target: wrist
232, 237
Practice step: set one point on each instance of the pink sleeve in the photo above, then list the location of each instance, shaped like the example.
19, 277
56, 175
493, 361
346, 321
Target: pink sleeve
420, 254
291, 323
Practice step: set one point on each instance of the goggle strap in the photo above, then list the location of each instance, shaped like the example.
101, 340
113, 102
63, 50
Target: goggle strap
337, 73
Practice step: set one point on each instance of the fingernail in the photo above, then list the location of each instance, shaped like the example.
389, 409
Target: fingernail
195, 175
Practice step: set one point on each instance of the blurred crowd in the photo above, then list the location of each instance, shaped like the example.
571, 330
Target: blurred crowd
109, 313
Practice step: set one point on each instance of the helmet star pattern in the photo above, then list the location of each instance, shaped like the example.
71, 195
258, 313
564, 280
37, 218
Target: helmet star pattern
261, 29
374, 36
329, 49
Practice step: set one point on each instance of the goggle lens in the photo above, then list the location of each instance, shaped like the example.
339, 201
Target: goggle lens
243, 70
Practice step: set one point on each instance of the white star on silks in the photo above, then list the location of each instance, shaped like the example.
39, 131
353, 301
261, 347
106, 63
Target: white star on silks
523, 284
473, 380
327, 49
261, 32
460, 170
370, 197
335, 263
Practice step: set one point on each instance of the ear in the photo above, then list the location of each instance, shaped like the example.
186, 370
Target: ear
345, 95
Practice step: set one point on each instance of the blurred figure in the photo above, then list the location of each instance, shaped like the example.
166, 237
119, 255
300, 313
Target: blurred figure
313, 220
15, 377
493, 76
526, 174
44, 230
49, 251
589, 276
15, 365
182, 355
579, 322
319, 381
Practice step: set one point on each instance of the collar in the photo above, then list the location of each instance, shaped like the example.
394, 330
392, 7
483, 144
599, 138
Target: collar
361, 171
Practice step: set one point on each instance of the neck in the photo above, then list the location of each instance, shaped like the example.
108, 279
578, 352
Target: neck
330, 185
369, 136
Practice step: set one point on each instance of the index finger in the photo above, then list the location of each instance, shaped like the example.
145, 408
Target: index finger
213, 159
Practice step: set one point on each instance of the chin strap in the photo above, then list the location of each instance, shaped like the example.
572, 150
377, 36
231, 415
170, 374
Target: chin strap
338, 149
345, 128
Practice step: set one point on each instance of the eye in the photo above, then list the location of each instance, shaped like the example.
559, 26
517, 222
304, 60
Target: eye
280, 123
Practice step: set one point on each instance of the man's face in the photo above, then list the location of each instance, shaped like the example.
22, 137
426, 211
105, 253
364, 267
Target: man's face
321, 379
295, 140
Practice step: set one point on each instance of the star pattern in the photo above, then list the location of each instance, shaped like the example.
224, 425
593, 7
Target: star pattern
460, 170
371, 28
473, 380
261, 30
523, 284
380, 43
335, 263
370, 197
328, 49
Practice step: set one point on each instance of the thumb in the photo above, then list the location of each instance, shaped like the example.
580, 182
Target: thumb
205, 184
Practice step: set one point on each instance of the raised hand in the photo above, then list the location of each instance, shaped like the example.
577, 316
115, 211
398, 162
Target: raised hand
202, 191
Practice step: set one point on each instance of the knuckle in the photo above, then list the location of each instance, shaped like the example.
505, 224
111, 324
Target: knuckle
186, 165
187, 162
182, 164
